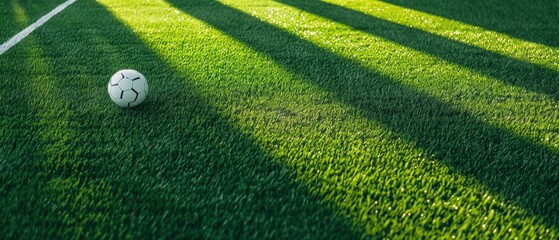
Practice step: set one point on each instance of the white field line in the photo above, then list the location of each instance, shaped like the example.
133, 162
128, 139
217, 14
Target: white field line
25, 32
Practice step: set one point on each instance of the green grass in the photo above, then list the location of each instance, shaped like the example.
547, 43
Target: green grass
278, 119
522, 19
18, 14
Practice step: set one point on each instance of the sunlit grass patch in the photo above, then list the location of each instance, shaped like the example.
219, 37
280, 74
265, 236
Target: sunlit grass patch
489, 40
521, 19
467, 144
527, 113
371, 174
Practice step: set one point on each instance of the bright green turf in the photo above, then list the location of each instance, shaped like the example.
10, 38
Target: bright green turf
18, 14
74, 164
275, 120
525, 19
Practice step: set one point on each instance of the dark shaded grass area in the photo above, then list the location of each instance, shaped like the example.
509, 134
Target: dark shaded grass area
172, 168
17, 149
524, 19
511, 71
519, 170
11, 23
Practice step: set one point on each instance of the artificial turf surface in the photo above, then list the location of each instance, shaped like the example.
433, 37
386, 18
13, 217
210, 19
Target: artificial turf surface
281, 119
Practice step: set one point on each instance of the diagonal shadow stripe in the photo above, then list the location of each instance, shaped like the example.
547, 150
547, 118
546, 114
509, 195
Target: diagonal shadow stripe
525, 19
519, 170
529, 76
176, 168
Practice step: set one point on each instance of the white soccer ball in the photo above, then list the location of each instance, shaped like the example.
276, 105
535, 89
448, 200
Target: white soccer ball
128, 88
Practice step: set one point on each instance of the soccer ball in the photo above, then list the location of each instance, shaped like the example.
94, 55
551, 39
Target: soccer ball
128, 88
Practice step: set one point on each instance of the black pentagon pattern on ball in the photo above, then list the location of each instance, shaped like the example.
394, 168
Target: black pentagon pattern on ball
129, 92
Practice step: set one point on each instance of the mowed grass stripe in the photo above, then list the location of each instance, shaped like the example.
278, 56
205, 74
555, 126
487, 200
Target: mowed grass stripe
173, 168
16, 15
355, 164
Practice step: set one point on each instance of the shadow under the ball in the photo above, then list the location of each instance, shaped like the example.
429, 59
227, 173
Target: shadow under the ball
174, 167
